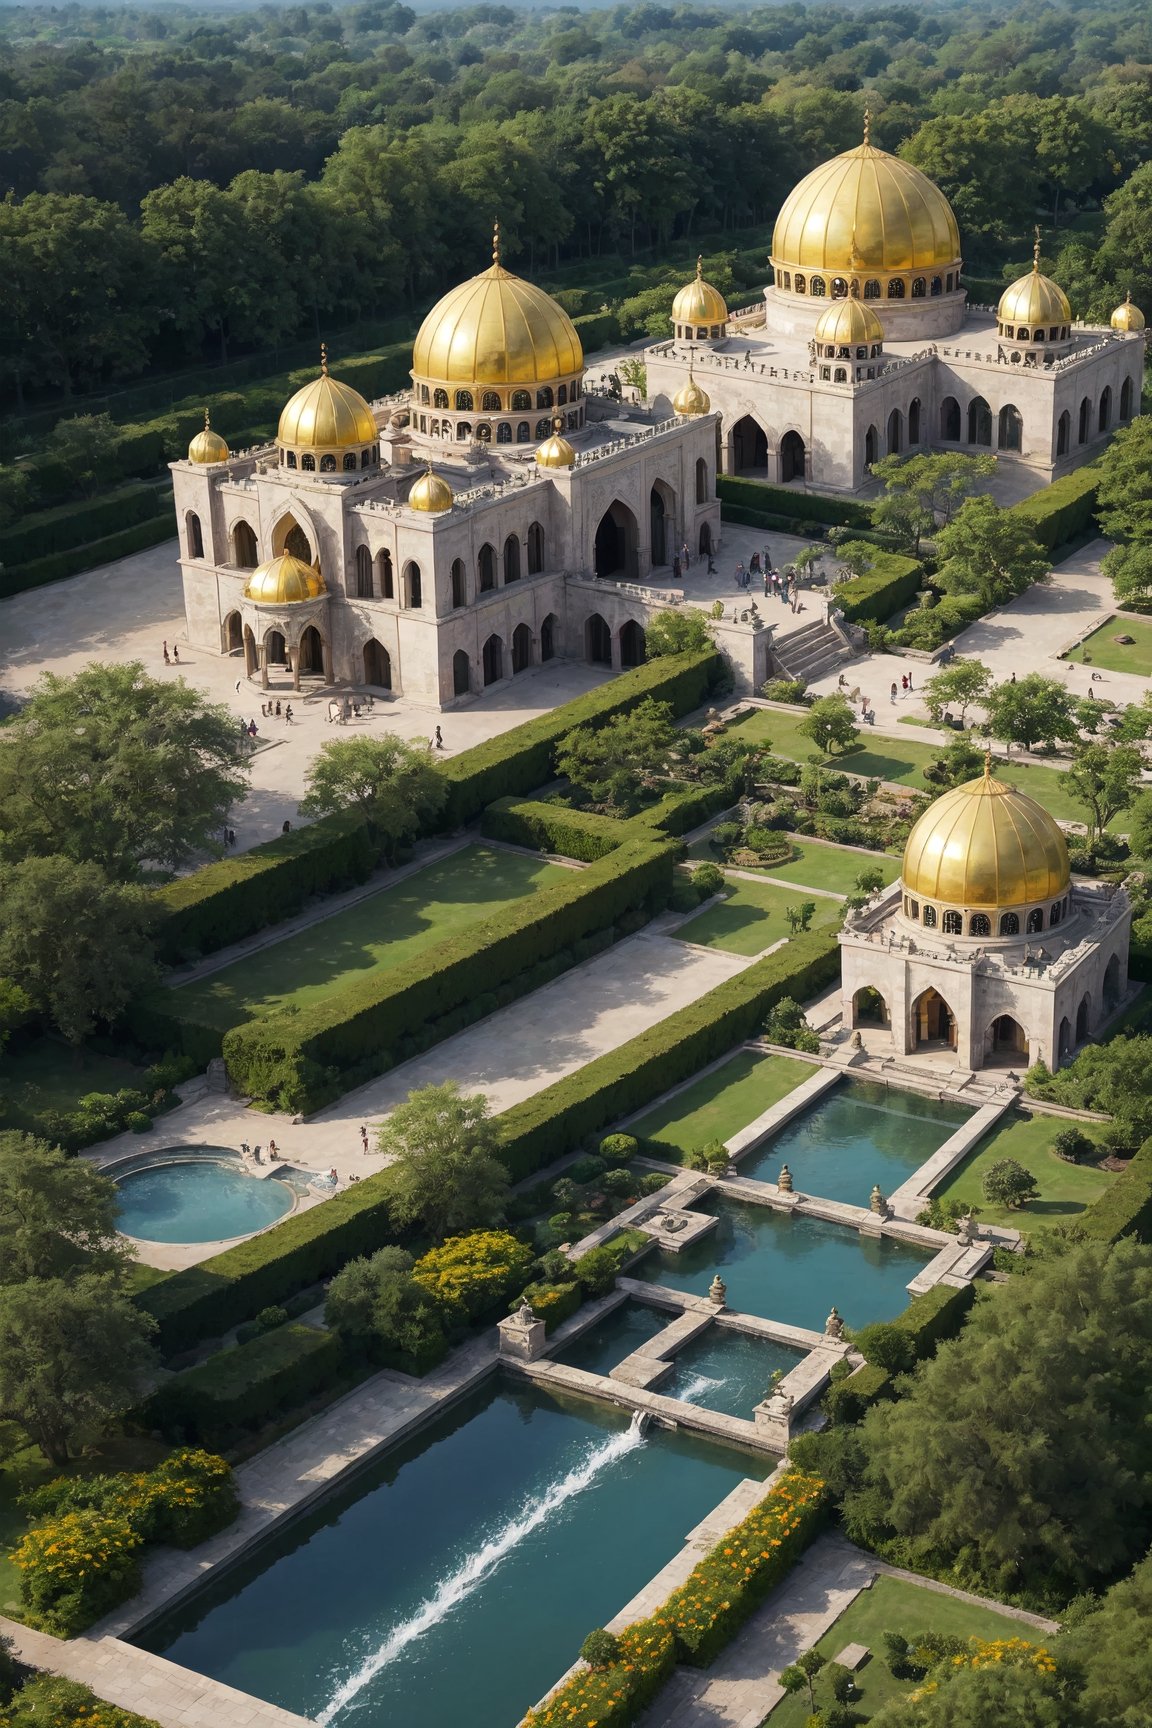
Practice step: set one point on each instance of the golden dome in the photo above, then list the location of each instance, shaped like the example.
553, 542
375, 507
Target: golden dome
555, 452
865, 210
690, 399
326, 415
1034, 298
848, 321
497, 329
431, 494
698, 302
1128, 319
208, 446
284, 581
984, 844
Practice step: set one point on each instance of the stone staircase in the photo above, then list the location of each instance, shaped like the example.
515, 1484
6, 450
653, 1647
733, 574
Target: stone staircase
810, 652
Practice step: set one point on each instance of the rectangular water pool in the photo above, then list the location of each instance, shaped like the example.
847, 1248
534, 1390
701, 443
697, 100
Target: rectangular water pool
728, 1371
625, 1329
791, 1267
454, 1582
858, 1134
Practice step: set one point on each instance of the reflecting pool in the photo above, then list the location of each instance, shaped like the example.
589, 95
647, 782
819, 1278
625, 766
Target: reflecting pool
625, 1329
728, 1371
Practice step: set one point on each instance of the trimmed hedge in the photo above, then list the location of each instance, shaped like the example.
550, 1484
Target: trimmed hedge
246, 1387
928, 1319
1125, 1209
1064, 510
306, 1059
759, 497
60, 565
597, 330
615, 1696
558, 1119
891, 583
588, 836
59, 530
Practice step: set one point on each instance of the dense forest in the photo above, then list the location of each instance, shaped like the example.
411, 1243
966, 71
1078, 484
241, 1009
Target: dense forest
185, 186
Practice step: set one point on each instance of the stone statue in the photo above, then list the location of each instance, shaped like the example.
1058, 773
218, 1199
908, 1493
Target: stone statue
781, 1404
784, 1180
877, 1203
718, 1291
525, 1313
834, 1326
967, 1230
856, 1042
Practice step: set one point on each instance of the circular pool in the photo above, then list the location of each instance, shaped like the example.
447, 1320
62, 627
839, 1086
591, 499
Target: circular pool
200, 1199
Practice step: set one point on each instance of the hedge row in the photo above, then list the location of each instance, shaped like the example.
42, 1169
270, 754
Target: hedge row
246, 1387
597, 330
928, 1319
588, 836
892, 582
1064, 510
558, 1119
48, 531
1126, 1207
385, 1016
759, 497
60, 565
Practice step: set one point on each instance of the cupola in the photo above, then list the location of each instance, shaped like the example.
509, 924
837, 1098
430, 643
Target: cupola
208, 446
1034, 318
328, 428
699, 311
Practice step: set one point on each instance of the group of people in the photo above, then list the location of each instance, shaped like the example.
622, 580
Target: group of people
271, 710
254, 1152
172, 659
906, 686
778, 584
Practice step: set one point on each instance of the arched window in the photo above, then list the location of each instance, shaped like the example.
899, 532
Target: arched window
244, 552
327, 464
544, 397
195, 535
384, 575
463, 401
979, 924
950, 421
937, 286
424, 393
1105, 419
1063, 433
414, 596
511, 559
503, 433
486, 563
785, 279
895, 432
799, 284
1085, 426
1010, 434
1021, 334
840, 376
896, 288
562, 396
919, 288
871, 443
701, 480
363, 573
308, 464
930, 917
818, 287
290, 459
461, 673
459, 584
1035, 921
535, 549
1056, 913
953, 924
440, 399
914, 420
484, 433
463, 431
1009, 924
523, 433
543, 428
350, 462
490, 402
871, 290
839, 288
979, 422
521, 401
1126, 399
365, 458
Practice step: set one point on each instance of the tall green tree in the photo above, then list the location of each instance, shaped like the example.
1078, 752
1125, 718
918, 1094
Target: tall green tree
57, 1214
443, 1173
920, 491
1033, 710
1105, 777
831, 724
1124, 508
989, 552
957, 686
1113, 1656
394, 786
623, 762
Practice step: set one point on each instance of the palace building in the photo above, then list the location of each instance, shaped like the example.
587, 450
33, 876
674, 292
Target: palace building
867, 347
985, 946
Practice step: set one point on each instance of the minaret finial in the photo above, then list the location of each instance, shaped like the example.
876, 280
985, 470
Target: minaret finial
1036, 248
699, 266
867, 125
208, 418
323, 359
496, 241
988, 763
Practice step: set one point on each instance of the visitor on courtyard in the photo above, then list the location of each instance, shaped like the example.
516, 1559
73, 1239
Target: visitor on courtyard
167, 656
909, 681
175, 654
740, 575
277, 710
288, 715
676, 568
686, 556
231, 836
273, 1151
767, 583
256, 1154
892, 694
287, 827
437, 739
754, 564
245, 1149
711, 566
364, 1138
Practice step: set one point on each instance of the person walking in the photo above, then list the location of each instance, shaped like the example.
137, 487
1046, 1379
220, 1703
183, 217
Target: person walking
754, 564
686, 556
288, 715
364, 1138
892, 693
175, 654
277, 710
167, 656
740, 575
437, 739
711, 565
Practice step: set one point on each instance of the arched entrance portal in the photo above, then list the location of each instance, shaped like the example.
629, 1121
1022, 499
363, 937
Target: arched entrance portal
521, 648
233, 633
493, 660
1111, 990
1008, 1040
791, 458
1083, 1016
461, 673
749, 447
1064, 1041
631, 644
705, 539
933, 1022
869, 1008
616, 543
597, 641
275, 649
662, 523
377, 665
310, 654
548, 637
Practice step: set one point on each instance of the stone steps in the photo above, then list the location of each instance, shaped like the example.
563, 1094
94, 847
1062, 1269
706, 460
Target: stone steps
811, 652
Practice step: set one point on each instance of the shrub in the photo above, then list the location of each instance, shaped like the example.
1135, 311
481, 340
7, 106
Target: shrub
246, 1387
1073, 1146
75, 1568
707, 879
787, 1024
475, 1274
757, 495
615, 1696
597, 1270
1125, 1209
1064, 510
784, 690
40, 571
891, 583
48, 1701
600, 1649
552, 1303
725, 835
585, 1170
1007, 1183
619, 1148
886, 1346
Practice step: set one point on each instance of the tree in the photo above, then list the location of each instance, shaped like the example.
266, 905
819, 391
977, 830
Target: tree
1124, 503
1031, 711
957, 686
115, 768
622, 763
600, 1649
870, 880
886, 1346
1140, 825
989, 552
966, 1697
1105, 777
1017, 1456
394, 786
856, 556
72, 1356
678, 630
1007, 1183
377, 1305
802, 1673
443, 1172
476, 1273
77, 946
57, 1214
959, 761
16, 1009
1113, 1655
787, 1024
86, 444
920, 491
831, 724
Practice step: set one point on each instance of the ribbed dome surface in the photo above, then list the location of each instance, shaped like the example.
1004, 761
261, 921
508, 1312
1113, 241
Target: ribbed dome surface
985, 844
848, 321
1034, 299
327, 415
431, 494
284, 581
497, 329
865, 210
698, 302
208, 446
690, 399
1128, 318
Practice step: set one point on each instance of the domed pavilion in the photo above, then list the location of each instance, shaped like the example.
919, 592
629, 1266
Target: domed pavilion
986, 949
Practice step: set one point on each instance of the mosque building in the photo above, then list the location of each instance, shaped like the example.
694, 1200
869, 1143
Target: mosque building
867, 347
985, 947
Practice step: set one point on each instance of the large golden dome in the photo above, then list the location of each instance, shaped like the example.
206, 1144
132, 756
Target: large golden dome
1127, 318
284, 581
326, 415
986, 845
698, 302
497, 329
865, 210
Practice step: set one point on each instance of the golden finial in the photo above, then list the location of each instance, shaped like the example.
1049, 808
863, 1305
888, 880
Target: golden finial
208, 417
988, 763
867, 125
323, 359
558, 424
496, 241
1036, 249
699, 266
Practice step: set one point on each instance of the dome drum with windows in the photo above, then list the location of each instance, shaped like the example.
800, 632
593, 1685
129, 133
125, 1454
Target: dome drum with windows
1034, 317
986, 862
699, 311
327, 428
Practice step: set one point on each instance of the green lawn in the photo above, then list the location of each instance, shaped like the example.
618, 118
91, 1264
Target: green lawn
384, 930
1065, 1189
833, 868
719, 1104
892, 1605
1099, 649
753, 917
44, 1076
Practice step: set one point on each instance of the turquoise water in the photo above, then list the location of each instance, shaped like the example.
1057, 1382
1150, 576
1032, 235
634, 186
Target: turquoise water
599, 1349
198, 1201
727, 1371
857, 1135
455, 1582
791, 1267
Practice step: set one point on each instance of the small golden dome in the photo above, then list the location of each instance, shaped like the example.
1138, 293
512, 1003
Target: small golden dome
431, 494
848, 321
1034, 299
497, 329
865, 210
1128, 319
690, 399
326, 415
284, 581
556, 452
698, 302
208, 446
985, 844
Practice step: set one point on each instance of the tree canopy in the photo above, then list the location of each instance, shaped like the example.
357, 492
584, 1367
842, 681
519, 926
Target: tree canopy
395, 786
1031, 710
57, 1214
990, 552
443, 1172
623, 762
